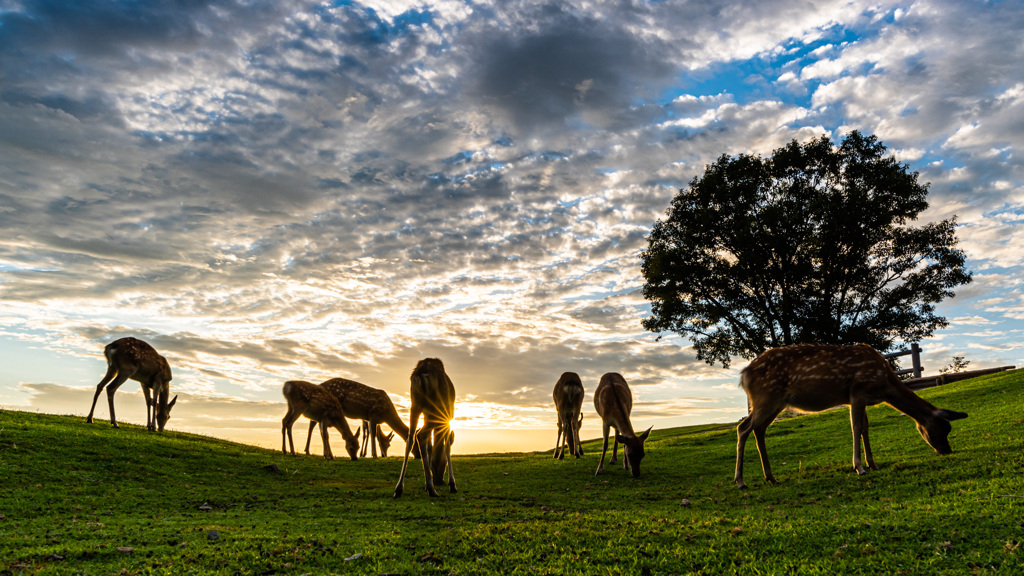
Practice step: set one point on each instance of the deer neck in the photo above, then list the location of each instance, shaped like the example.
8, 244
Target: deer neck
903, 399
619, 417
396, 424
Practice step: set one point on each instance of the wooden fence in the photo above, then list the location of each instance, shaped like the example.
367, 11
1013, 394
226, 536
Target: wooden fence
915, 355
918, 382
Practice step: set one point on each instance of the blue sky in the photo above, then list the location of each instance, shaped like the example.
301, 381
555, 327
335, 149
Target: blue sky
285, 190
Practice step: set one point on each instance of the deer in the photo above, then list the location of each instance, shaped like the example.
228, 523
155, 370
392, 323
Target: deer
433, 396
613, 402
568, 395
383, 441
132, 358
815, 377
319, 405
370, 405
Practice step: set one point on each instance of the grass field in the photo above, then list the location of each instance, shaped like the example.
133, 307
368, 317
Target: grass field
79, 498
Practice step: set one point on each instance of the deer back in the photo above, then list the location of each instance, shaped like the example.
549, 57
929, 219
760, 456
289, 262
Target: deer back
568, 395
314, 402
814, 377
432, 391
613, 402
361, 402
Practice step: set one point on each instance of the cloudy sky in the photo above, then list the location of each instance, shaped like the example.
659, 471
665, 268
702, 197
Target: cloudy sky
269, 190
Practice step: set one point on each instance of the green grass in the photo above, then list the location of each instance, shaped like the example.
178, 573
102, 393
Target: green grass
75, 497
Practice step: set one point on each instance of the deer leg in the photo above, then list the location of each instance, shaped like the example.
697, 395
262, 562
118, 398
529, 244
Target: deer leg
448, 461
373, 432
309, 436
324, 427
760, 418
111, 389
615, 448
366, 438
286, 430
568, 439
867, 445
426, 447
604, 448
762, 450
858, 423
150, 408
111, 373
742, 431
414, 417
577, 424
558, 440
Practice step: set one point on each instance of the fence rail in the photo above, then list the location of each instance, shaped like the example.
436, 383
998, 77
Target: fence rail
915, 358
918, 382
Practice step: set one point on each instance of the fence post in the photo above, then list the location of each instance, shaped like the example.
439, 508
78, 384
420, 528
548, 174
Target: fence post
915, 352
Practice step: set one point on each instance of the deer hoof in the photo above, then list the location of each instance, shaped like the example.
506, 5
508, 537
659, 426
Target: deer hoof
741, 485
453, 489
398, 492
861, 470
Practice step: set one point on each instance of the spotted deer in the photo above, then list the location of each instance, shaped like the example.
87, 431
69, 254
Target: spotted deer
362, 402
433, 396
316, 403
568, 395
132, 358
384, 441
815, 377
613, 402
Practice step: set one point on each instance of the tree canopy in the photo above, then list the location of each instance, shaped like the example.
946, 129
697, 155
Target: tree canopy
813, 244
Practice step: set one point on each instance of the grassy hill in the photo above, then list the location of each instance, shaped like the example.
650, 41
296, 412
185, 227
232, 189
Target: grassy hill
77, 498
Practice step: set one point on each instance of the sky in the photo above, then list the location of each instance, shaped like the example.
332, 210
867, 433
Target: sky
272, 190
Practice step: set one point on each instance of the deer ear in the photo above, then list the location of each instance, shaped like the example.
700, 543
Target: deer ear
171, 404
390, 436
358, 430
620, 438
646, 434
951, 415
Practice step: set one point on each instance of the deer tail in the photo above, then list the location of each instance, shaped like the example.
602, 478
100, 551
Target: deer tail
108, 352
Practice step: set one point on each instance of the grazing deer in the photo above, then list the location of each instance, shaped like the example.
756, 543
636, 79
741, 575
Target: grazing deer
568, 395
135, 359
613, 402
433, 396
362, 402
383, 441
319, 405
814, 377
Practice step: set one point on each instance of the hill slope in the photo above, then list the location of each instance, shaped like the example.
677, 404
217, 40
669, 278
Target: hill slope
80, 498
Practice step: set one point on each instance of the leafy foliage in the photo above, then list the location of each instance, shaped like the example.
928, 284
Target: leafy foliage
88, 499
957, 365
810, 245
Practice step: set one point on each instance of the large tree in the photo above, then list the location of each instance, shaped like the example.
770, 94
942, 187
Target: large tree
813, 244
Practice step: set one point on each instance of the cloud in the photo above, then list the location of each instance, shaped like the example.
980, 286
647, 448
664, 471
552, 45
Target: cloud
277, 190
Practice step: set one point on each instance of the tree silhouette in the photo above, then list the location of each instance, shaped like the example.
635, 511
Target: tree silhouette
812, 244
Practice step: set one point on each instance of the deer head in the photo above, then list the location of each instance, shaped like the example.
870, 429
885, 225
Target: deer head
936, 430
163, 411
633, 448
351, 443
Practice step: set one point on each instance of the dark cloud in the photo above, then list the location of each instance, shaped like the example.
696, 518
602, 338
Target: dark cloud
570, 69
269, 190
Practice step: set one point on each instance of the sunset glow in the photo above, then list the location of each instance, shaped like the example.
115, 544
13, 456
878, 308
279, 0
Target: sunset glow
267, 191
